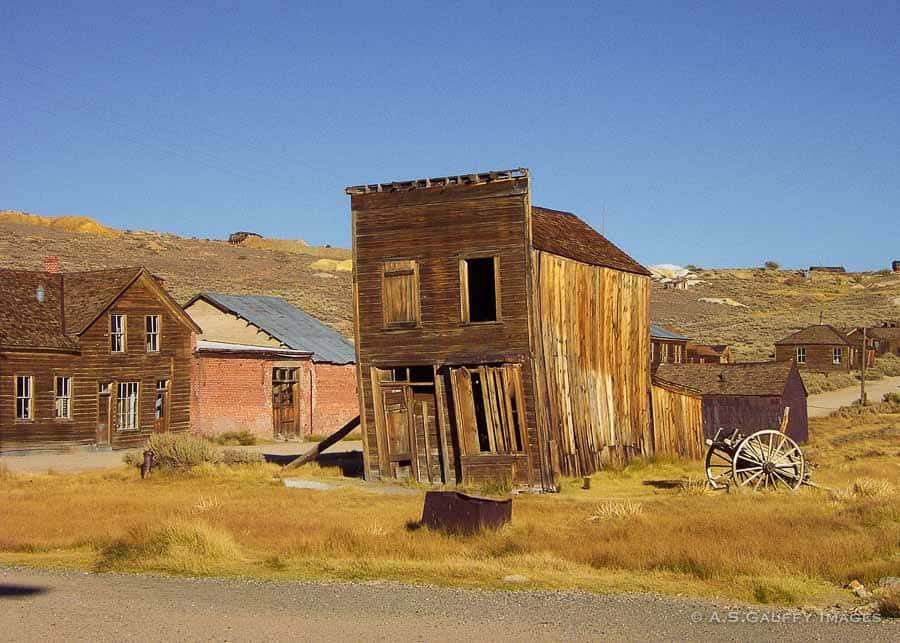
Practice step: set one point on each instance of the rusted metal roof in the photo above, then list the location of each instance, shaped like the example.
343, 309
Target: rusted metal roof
821, 334
661, 332
749, 378
564, 234
440, 181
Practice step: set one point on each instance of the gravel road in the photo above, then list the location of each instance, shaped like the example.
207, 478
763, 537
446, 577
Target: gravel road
822, 404
46, 606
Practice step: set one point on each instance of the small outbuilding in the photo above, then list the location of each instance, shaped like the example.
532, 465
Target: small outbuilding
265, 366
692, 401
708, 353
816, 348
667, 346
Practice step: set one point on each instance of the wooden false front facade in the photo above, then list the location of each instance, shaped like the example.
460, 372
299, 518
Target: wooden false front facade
485, 354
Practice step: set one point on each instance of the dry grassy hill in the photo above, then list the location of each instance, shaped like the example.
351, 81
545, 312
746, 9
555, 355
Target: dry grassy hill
317, 280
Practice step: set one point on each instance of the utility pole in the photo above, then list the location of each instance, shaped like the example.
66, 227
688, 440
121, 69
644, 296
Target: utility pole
862, 380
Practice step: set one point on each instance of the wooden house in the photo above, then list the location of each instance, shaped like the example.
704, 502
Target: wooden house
692, 401
860, 347
885, 339
496, 340
265, 366
90, 358
667, 346
708, 353
816, 348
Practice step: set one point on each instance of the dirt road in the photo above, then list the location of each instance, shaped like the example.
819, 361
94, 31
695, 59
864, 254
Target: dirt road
822, 404
44, 606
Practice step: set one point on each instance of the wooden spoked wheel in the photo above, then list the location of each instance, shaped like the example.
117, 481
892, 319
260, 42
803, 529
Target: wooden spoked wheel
719, 467
768, 460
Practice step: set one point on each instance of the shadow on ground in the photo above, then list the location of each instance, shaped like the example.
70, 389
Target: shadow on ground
19, 591
350, 462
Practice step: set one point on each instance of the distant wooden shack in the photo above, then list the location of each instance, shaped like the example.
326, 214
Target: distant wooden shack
895, 266
496, 341
238, 238
886, 339
692, 401
816, 348
839, 269
667, 346
708, 353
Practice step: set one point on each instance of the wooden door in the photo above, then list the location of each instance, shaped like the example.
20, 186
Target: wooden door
396, 415
104, 415
161, 407
284, 402
424, 421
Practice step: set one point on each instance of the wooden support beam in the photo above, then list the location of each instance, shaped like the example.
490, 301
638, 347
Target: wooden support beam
317, 450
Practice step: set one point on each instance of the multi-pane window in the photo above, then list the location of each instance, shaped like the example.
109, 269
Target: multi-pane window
801, 354
127, 405
63, 402
400, 293
480, 289
162, 387
117, 332
837, 355
152, 326
24, 397
664, 353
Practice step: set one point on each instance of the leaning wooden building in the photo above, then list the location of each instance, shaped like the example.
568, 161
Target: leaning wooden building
495, 340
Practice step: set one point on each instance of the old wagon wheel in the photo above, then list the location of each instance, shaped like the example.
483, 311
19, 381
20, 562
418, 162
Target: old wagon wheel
719, 466
768, 459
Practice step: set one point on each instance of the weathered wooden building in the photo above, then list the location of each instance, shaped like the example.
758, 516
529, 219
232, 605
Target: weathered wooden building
692, 401
90, 358
708, 353
667, 346
495, 340
265, 366
861, 345
886, 339
816, 348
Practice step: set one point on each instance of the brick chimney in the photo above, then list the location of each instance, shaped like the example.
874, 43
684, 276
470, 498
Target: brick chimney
51, 264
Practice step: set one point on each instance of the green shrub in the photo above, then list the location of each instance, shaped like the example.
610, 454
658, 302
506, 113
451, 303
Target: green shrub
772, 265
240, 456
236, 438
887, 365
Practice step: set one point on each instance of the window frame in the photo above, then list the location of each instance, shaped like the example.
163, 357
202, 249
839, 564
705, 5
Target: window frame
464, 312
162, 386
157, 334
56, 397
137, 406
837, 355
397, 271
29, 397
800, 354
123, 333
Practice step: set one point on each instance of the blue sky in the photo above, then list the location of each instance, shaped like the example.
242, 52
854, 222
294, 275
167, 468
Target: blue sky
717, 134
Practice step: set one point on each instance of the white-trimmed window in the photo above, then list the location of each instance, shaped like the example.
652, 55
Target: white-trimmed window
837, 355
151, 322
117, 333
62, 409
652, 351
127, 395
24, 397
801, 354
664, 353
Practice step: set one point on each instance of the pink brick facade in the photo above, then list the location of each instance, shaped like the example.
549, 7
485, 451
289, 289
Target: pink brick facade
232, 393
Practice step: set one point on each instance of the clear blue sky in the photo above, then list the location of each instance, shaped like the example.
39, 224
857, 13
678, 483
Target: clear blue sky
717, 134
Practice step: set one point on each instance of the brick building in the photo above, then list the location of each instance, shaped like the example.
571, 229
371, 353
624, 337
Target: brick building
265, 366
817, 348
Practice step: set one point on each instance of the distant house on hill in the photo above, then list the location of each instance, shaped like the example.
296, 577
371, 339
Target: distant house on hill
238, 238
895, 266
816, 348
666, 346
708, 353
98, 358
264, 365
692, 401
838, 269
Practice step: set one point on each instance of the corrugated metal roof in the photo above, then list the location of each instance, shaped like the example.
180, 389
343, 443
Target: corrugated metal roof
208, 345
288, 324
658, 332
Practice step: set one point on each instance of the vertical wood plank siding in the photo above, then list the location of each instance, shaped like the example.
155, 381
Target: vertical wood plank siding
677, 423
96, 364
594, 348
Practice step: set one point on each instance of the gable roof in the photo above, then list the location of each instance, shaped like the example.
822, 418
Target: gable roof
564, 234
72, 301
660, 332
712, 350
748, 378
818, 334
286, 323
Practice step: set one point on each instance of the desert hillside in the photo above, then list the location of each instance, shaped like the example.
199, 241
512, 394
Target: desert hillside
747, 308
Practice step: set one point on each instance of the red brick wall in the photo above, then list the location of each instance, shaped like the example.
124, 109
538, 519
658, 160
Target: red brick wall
230, 394
334, 397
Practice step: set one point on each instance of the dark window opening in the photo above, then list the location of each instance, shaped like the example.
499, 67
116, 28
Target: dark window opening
482, 289
484, 441
411, 374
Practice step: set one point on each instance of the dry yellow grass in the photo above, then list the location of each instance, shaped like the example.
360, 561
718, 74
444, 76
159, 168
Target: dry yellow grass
632, 531
68, 223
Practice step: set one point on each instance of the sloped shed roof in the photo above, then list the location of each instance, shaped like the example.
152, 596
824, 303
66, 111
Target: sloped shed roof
564, 234
286, 323
818, 334
750, 378
659, 332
